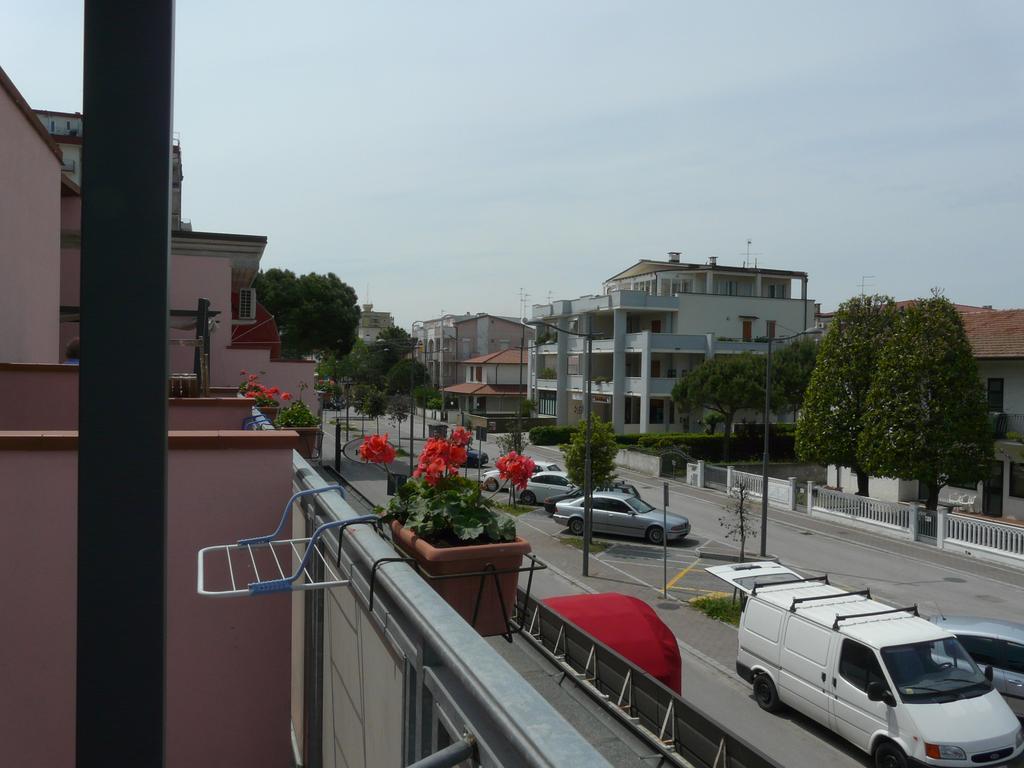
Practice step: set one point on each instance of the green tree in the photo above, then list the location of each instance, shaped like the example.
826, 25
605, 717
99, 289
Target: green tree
512, 441
398, 377
792, 367
927, 414
314, 313
399, 407
724, 385
835, 403
603, 449
373, 404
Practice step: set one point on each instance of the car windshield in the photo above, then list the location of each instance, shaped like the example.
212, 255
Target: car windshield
639, 505
934, 672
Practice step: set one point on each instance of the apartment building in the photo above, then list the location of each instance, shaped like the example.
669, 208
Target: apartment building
651, 324
446, 341
371, 323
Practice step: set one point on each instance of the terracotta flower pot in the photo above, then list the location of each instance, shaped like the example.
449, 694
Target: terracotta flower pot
270, 411
461, 594
308, 441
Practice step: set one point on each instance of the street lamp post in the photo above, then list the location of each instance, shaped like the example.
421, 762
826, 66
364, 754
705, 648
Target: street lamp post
767, 431
588, 490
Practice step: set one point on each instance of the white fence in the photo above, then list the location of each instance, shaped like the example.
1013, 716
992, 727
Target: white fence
863, 509
724, 478
983, 537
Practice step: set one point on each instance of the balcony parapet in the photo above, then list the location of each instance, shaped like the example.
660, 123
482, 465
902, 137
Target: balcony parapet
433, 676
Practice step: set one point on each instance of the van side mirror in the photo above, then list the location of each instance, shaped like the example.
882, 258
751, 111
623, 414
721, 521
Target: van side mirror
988, 672
878, 692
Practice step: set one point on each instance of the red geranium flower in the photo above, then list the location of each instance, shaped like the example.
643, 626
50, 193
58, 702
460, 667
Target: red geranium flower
377, 450
286, 396
461, 436
515, 468
250, 393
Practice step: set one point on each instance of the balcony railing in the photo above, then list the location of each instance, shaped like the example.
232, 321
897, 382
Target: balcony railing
391, 680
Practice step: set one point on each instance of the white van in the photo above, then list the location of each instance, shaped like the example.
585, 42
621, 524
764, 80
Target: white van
897, 686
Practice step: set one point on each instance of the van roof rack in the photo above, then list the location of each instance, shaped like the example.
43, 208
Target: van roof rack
797, 600
757, 584
912, 609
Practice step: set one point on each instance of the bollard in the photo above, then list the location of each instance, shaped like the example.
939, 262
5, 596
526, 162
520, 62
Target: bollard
728, 479
792, 494
940, 528
810, 497
700, 473
913, 521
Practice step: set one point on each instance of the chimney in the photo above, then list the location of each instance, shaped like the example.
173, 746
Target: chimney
713, 261
673, 257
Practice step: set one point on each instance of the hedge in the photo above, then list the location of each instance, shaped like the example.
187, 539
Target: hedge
553, 435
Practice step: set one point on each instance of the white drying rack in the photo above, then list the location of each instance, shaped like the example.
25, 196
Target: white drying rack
232, 570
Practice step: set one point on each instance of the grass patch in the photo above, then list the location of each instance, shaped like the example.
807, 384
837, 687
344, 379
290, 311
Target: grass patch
516, 511
720, 606
577, 541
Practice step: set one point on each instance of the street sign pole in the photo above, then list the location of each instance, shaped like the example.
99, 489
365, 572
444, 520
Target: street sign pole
664, 542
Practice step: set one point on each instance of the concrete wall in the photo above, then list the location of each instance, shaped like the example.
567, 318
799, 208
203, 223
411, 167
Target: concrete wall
228, 660
38, 397
802, 472
30, 181
639, 462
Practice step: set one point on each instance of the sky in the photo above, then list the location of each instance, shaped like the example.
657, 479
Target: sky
443, 156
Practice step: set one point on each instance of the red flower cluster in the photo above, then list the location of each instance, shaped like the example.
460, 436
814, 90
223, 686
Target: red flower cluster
461, 436
441, 458
515, 468
376, 449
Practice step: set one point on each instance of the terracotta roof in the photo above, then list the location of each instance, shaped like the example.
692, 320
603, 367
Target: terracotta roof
19, 101
476, 388
995, 333
512, 356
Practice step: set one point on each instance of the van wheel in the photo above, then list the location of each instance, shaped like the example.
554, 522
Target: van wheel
765, 694
888, 755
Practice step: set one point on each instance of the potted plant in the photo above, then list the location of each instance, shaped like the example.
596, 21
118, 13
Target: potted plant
448, 526
264, 398
298, 417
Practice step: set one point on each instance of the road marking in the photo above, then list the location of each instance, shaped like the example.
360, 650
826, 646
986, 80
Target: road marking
682, 573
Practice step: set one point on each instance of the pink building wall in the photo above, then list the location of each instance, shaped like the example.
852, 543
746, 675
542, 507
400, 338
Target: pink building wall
228, 660
29, 249
38, 397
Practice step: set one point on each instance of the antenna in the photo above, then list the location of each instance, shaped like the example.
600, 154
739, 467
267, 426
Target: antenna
523, 296
864, 282
748, 254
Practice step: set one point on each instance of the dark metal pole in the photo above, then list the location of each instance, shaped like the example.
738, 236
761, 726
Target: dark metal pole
202, 334
412, 410
764, 460
126, 202
338, 443
588, 489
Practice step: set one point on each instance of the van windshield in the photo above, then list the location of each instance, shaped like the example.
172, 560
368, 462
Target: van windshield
934, 672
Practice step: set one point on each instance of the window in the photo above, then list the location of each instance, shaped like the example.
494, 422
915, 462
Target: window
479, 373
655, 326
546, 405
777, 291
859, 666
618, 505
771, 329
1017, 480
657, 412
1014, 657
984, 650
995, 394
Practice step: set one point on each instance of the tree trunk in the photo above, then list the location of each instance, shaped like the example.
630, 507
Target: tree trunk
863, 478
933, 496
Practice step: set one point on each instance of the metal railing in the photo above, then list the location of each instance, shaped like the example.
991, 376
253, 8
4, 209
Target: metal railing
974, 532
864, 508
403, 676
678, 729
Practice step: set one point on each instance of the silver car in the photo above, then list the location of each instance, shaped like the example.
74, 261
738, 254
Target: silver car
491, 481
622, 514
996, 643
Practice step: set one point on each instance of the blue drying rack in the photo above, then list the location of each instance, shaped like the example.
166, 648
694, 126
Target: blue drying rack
233, 570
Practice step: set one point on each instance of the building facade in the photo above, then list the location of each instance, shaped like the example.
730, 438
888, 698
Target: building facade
650, 325
371, 323
491, 384
446, 341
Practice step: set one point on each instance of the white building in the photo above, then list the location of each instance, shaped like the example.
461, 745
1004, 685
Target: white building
652, 323
66, 130
372, 323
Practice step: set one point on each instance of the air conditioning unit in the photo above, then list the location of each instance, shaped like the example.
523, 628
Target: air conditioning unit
246, 304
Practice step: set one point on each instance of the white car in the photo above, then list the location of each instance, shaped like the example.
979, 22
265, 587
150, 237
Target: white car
491, 481
544, 484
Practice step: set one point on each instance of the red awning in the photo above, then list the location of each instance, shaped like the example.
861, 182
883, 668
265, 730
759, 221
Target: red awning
628, 626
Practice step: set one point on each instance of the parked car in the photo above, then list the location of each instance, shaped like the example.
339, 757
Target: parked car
623, 514
898, 687
574, 491
544, 484
995, 643
492, 481
475, 458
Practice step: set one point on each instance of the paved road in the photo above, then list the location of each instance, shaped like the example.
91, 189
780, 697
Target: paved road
898, 572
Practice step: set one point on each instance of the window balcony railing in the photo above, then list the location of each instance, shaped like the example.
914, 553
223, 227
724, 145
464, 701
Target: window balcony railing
392, 674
